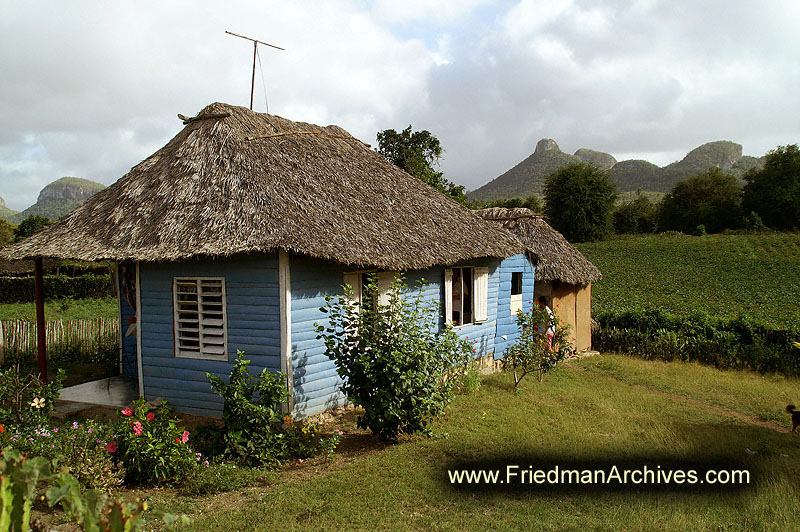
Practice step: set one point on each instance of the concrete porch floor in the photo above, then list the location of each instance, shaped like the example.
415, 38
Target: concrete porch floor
114, 392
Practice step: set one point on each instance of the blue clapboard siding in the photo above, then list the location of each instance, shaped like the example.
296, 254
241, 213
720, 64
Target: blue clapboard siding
316, 383
252, 301
506, 323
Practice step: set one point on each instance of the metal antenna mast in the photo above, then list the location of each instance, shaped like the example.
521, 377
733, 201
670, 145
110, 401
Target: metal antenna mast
255, 54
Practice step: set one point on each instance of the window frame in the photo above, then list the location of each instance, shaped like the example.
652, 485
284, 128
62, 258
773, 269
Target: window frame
176, 323
478, 295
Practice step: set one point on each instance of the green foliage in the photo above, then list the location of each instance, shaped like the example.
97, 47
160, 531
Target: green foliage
740, 343
92, 510
418, 153
532, 352
77, 309
24, 400
21, 289
636, 216
579, 201
700, 230
79, 449
6, 232
30, 225
393, 359
774, 191
531, 202
711, 198
255, 431
723, 275
151, 445
19, 477
753, 223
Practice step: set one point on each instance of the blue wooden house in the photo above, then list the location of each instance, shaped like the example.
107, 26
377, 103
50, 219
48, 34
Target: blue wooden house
230, 237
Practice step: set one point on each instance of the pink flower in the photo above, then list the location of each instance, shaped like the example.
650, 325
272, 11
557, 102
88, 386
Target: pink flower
111, 447
137, 428
185, 436
127, 412
150, 416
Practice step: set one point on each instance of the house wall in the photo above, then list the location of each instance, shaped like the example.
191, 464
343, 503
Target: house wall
251, 285
253, 314
507, 332
316, 383
583, 313
572, 304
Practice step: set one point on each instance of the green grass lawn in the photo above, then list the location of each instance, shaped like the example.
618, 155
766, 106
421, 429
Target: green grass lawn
67, 309
607, 408
723, 275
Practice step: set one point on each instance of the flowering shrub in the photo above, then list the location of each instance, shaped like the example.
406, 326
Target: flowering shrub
533, 352
24, 400
393, 359
151, 445
79, 448
255, 431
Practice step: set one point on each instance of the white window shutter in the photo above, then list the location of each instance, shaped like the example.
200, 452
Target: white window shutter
480, 292
385, 280
448, 296
354, 280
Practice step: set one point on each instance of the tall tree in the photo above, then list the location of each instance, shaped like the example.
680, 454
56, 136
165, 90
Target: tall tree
418, 153
30, 225
711, 198
636, 216
774, 191
6, 232
579, 199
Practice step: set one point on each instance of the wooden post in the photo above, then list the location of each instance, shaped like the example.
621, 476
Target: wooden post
253, 82
41, 333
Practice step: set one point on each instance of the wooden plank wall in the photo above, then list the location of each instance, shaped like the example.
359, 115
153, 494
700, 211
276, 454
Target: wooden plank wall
506, 322
251, 284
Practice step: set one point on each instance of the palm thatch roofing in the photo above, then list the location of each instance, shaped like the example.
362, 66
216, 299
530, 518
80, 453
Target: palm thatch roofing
234, 181
557, 259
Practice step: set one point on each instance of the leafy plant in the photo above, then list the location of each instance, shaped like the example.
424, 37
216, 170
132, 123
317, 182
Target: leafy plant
24, 399
393, 359
255, 430
80, 449
533, 351
19, 477
151, 445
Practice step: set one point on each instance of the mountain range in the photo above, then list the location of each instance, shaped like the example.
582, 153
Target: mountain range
55, 200
528, 177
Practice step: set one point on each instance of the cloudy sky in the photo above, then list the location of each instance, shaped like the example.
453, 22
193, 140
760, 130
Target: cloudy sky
89, 89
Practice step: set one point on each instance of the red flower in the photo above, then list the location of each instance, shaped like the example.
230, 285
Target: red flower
137, 428
150, 416
111, 447
2, 428
127, 412
185, 436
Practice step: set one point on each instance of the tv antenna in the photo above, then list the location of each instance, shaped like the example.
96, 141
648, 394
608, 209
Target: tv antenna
255, 56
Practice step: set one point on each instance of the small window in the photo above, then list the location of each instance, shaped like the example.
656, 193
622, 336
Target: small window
200, 318
516, 283
466, 295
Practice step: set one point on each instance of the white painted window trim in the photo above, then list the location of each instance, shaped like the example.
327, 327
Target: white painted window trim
480, 294
353, 279
448, 296
176, 326
285, 297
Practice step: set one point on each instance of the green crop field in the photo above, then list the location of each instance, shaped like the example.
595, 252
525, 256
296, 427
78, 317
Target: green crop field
723, 275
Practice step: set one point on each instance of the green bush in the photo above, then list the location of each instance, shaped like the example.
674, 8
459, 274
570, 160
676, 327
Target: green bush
151, 445
222, 477
21, 289
24, 400
393, 359
736, 343
20, 481
79, 448
532, 352
255, 431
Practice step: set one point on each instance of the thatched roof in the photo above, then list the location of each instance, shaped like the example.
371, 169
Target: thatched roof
235, 181
557, 259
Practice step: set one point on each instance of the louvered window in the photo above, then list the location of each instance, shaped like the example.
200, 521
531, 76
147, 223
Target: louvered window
200, 318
